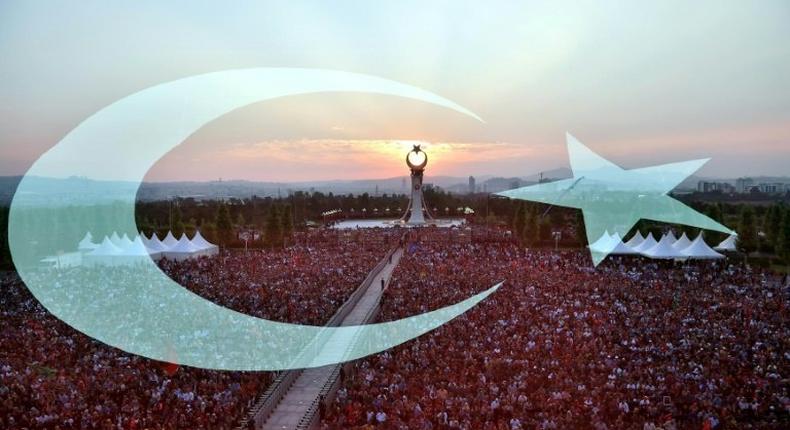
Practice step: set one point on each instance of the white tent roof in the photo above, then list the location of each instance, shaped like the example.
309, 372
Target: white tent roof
154, 243
106, 248
135, 248
87, 243
604, 243
125, 242
663, 249
672, 237
728, 244
620, 248
682, 243
183, 245
169, 240
201, 242
700, 249
115, 239
635, 240
646, 244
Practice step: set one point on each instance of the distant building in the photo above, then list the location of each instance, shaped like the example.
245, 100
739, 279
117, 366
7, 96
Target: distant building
744, 185
704, 186
472, 185
771, 188
715, 187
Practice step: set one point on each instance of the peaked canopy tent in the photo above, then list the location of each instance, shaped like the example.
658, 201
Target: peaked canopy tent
125, 242
646, 244
153, 243
666, 248
635, 240
137, 251
612, 244
682, 243
728, 244
699, 249
604, 243
204, 245
169, 241
621, 248
184, 249
86, 244
103, 255
115, 239
663, 249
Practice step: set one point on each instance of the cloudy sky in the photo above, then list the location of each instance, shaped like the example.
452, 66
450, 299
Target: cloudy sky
641, 84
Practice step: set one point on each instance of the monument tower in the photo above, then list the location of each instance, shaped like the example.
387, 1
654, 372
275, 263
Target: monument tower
417, 211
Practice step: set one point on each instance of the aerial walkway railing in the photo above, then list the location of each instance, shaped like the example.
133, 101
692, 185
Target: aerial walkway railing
262, 409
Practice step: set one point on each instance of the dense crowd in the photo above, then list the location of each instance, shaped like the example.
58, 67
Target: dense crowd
300, 284
629, 344
52, 376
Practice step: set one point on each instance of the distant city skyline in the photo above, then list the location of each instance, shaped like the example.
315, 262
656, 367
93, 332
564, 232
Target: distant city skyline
642, 84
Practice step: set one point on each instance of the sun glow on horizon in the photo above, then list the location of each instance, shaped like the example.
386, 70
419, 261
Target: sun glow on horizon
328, 159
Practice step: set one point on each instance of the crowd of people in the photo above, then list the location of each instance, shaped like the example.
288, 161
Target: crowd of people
302, 284
563, 345
54, 377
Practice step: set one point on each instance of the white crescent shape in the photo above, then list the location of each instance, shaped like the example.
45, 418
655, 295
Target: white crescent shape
141, 310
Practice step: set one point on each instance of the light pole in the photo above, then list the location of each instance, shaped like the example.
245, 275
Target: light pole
557, 235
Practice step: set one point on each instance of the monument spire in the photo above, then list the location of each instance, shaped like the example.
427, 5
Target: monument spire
417, 211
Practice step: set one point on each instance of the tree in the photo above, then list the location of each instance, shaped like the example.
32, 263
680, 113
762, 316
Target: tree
273, 231
288, 221
177, 221
5, 253
581, 232
544, 230
518, 219
772, 223
223, 223
747, 231
783, 236
240, 221
530, 233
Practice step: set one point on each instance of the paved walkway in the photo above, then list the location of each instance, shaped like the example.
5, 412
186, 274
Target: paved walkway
306, 388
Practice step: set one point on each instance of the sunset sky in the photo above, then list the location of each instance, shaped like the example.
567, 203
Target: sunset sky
641, 84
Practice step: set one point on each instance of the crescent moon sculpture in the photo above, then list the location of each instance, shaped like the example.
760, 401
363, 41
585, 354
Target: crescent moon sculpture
141, 310
417, 150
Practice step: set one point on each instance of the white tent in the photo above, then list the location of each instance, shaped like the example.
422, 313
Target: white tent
619, 247
115, 239
104, 254
183, 250
125, 242
728, 244
154, 243
635, 240
203, 244
646, 244
136, 252
86, 244
169, 240
700, 249
672, 239
603, 244
663, 249
682, 243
